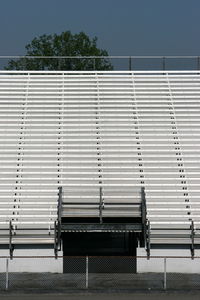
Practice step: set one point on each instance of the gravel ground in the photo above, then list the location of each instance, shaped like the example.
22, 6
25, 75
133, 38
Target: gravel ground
104, 296
102, 282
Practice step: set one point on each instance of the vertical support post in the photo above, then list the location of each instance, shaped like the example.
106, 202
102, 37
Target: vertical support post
7, 279
165, 274
148, 242
143, 205
192, 239
11, 247
59, 215
55, 240
143, 215
130, 63
163, 63
57, 225
86, 273
100, 205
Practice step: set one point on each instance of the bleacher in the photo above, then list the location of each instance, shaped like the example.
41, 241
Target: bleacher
108, 131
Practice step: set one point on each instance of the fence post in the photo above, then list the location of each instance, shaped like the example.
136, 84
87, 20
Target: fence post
165, 274
86, 273
94, 64
7, 283
130, 63
163, 63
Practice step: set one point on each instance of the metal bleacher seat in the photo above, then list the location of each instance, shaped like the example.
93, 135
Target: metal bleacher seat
117, 130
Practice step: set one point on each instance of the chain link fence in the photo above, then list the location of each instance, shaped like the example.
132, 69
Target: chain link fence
100, 63
99, 273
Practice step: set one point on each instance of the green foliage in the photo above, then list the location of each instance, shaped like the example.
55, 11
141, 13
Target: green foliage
65, 44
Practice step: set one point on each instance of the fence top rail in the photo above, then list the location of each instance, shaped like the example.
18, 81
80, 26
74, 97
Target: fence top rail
104, 57
161, 72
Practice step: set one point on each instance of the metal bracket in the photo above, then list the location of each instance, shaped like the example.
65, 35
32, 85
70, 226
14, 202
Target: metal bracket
148, 239
192, 238
101, 205
11, 246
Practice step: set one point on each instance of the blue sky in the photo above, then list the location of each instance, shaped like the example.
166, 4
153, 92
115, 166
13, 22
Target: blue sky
128, 27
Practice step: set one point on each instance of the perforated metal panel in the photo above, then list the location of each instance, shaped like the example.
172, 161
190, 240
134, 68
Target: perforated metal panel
118, 130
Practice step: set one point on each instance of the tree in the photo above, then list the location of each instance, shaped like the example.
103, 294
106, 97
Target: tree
65, 44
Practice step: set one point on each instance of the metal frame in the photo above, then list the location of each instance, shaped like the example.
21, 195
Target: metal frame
135, 224
104, 227
101, 207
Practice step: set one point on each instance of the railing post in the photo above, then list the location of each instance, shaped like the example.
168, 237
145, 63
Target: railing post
165, 274
86, 273
7, 279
